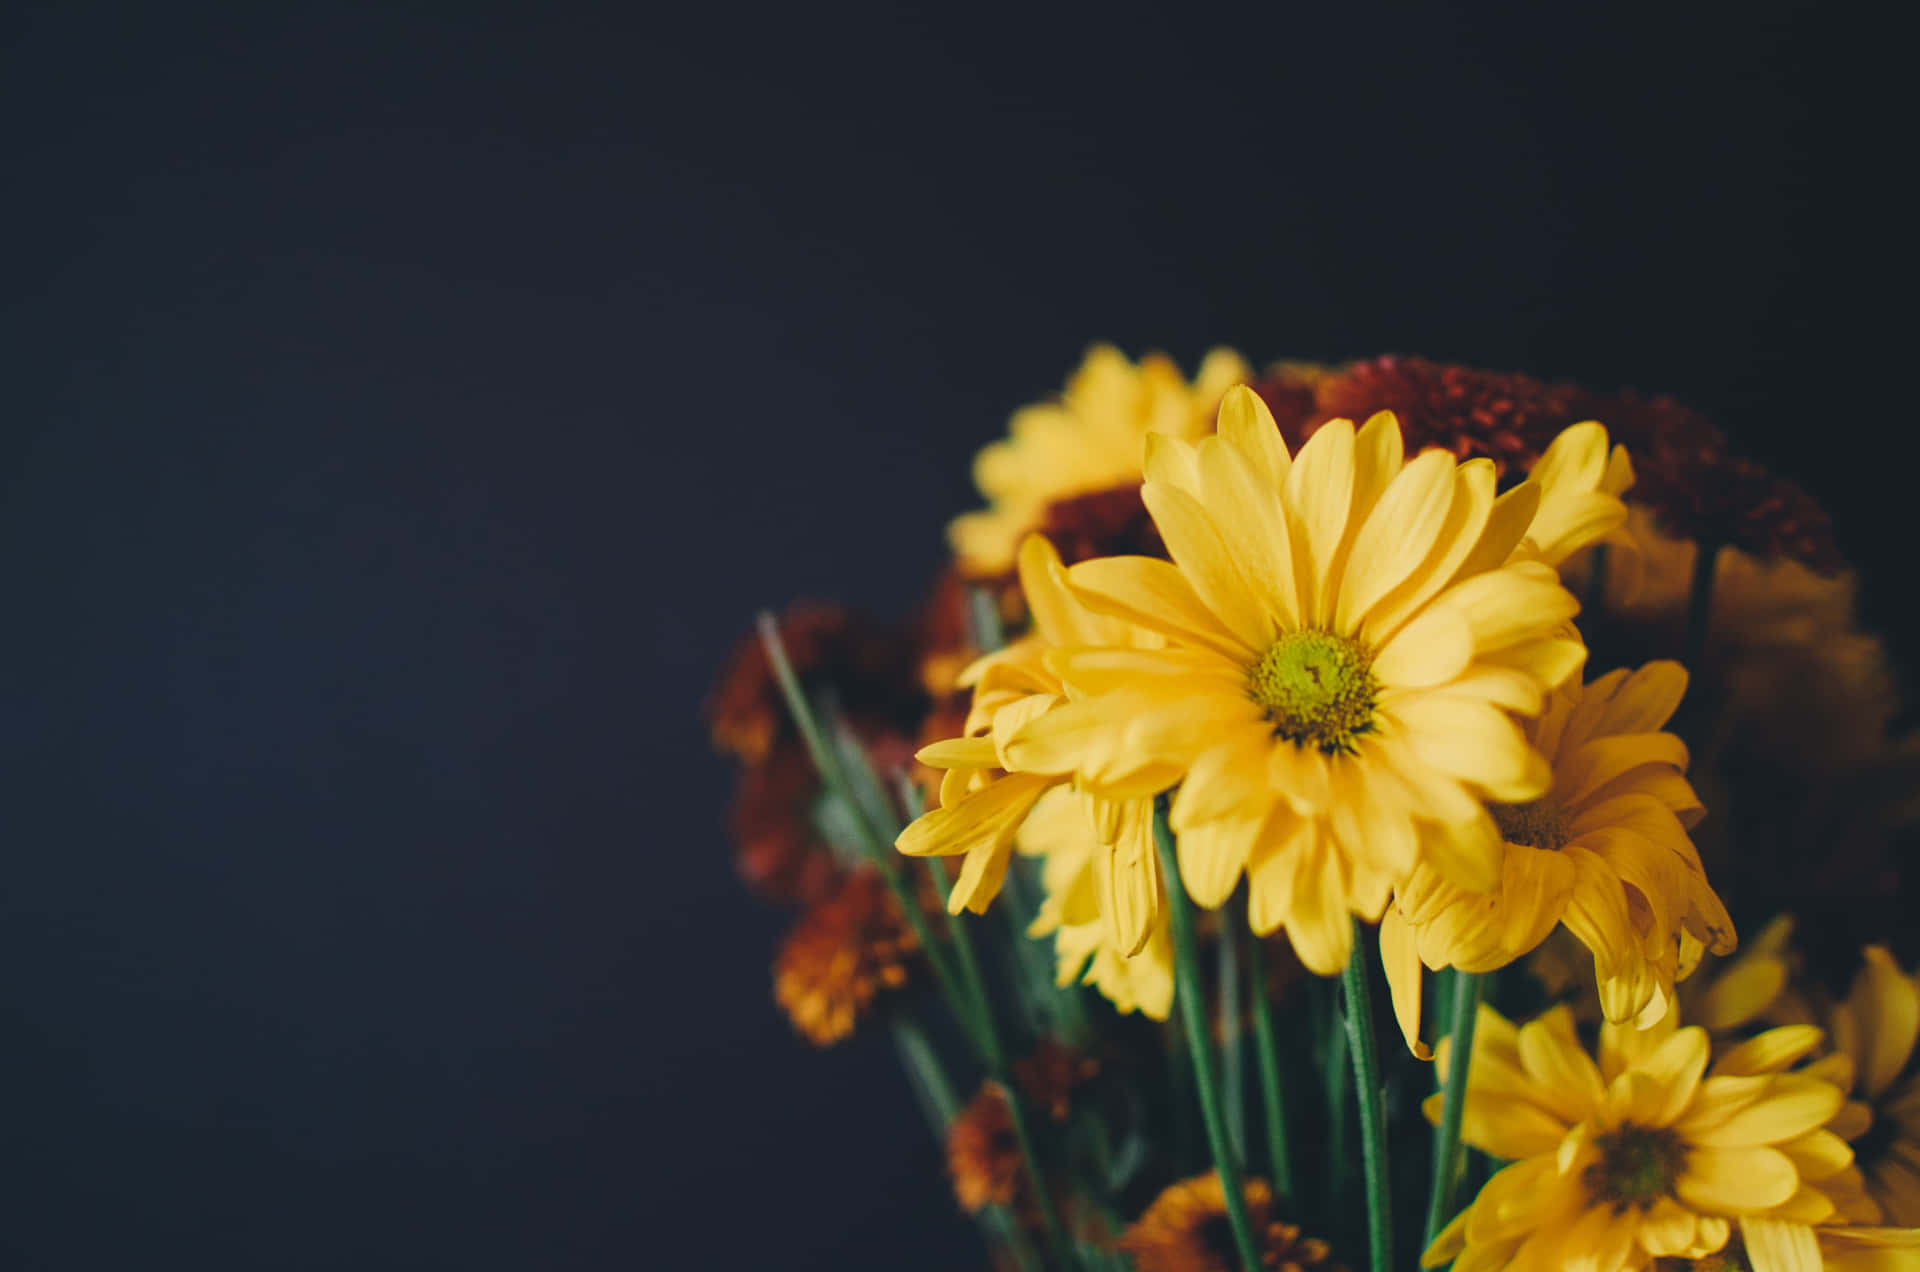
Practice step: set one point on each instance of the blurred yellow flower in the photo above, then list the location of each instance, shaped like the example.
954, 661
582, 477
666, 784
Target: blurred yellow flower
1876, 1028
1087, 441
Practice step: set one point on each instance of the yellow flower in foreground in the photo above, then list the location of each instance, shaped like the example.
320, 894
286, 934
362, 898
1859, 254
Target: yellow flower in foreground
1346, 639
1877, 1027
1087, 441
985, 797
1604, 851
1644, 1155
1061, 830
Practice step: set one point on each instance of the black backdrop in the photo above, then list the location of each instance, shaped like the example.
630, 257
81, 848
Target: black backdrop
403, 411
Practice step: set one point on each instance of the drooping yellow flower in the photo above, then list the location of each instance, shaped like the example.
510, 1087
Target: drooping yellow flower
986, 797
1646, 1154
1346, 638
1876, 1028
1604, 851
1087, 441
1077, 873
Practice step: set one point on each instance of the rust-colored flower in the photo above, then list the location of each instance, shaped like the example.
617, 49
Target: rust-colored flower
983, 1151
839, 957
1687, 474
778, 851
1186, 1230
1686, 470
869, 666
1503, 416
1049, 1076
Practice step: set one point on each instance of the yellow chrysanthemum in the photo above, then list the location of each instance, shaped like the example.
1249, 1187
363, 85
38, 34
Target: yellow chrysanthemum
1604, 851
1876, 1028
1346, 639
1087, 441
1077, 874
985, 797
1646, 1154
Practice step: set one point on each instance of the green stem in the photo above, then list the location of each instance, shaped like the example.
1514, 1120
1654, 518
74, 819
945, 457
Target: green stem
995, 1058
1267, 1050
1336, 1075
1594, 596
937, 1100
1233, 1085
879, 848
1453, 1102
1193, 1013
1699, 607
1366, 1081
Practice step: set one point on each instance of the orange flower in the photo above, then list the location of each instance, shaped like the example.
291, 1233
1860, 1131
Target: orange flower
1186, 1230
869, 665
983, 1152
1050, 1075
840, 955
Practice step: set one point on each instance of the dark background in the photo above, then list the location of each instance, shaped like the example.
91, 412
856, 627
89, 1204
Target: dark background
404, 411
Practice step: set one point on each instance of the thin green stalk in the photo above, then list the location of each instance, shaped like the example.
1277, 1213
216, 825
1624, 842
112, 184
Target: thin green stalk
1233, 1086
1267, 1050
1699, 607
968, 1002
1337, 1075
1373, 1121
1594, 595
879, 847
1186, 970
1453, 1102
995, 1058
941, 1105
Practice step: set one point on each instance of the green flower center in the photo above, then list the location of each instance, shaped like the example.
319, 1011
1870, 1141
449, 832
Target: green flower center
1541, 824
1637, 1166
1317, 689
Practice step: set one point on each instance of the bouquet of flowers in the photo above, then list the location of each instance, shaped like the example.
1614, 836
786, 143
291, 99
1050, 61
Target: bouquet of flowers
1309, 821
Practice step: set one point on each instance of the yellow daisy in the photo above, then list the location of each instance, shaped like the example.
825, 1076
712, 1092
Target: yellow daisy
1604, 851
1876, 1028
985, 797
1061, 829
1346, 639
1087, 441
1646, 1154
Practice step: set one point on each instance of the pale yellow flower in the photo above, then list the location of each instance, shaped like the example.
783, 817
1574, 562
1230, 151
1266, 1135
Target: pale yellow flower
1346, 640
1876, 1028
1087, 441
